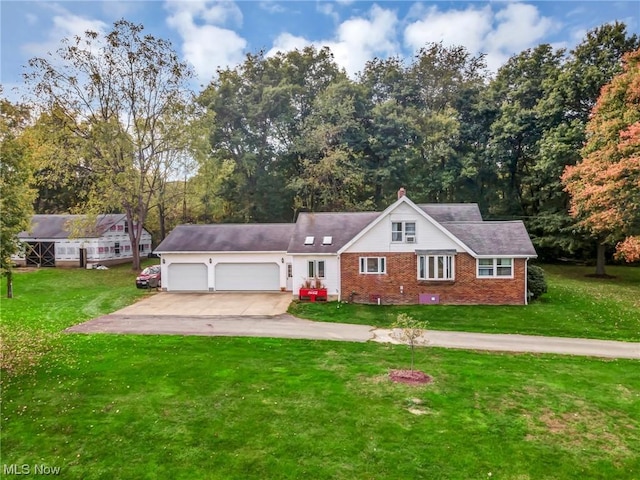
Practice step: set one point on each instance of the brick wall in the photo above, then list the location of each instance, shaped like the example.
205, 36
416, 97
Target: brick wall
402, 270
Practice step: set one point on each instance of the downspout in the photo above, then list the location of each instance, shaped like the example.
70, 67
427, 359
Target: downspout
526, 278
339, 280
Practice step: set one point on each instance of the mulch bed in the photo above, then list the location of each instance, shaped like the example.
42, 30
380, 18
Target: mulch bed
409, 377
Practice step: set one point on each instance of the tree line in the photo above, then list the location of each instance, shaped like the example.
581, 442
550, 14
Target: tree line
114, 128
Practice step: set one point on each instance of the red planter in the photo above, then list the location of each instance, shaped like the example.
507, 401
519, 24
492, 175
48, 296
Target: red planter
313, 294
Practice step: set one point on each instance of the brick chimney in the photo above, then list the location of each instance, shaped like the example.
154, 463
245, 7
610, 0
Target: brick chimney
401, 192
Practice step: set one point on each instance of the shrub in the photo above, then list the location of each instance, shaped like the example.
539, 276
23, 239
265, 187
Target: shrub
536, 281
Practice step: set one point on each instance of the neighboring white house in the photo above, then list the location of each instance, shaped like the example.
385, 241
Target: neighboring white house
67, 241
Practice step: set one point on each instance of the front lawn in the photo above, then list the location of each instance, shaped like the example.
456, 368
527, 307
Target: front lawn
238, 408
116, 406
575, 306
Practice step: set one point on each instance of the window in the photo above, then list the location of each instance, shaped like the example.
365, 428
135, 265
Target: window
495, 267
435, 267
315, 269
403, 232
373, 265
117, 245
289, 270
328, 240
309, 240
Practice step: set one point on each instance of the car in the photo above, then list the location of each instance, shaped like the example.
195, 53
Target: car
149, 277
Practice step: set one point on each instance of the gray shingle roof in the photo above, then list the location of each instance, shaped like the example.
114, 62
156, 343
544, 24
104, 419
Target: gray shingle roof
61, 226
493, 238
452, 212
228, 237
342, 227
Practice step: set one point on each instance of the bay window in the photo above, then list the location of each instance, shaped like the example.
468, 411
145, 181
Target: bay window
436, 267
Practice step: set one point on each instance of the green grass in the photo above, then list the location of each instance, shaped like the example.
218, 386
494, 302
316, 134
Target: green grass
51, 299
225, 408
575, 306
110, 406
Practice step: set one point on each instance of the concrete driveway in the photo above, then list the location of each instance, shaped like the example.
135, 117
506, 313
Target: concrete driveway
264, 315
210, 304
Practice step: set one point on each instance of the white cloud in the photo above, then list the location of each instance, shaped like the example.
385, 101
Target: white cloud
356, 40
520, 26
286, 42
499, 34
328, 10
65, 25
205, 43
271, 6
454, 27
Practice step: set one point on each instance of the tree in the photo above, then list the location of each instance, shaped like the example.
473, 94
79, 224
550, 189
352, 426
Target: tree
123, 98
515, 93
408, 330
605, 185
16, 197
565, 109
260, 108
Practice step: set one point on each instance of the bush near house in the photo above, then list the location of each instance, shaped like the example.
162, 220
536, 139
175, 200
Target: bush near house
536, 281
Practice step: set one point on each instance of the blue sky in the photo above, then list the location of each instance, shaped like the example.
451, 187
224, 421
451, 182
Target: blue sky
209, 34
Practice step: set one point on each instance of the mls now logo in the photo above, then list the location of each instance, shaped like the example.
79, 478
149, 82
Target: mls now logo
26, 469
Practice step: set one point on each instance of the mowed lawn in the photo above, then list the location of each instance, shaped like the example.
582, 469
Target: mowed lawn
576, 305
109, 406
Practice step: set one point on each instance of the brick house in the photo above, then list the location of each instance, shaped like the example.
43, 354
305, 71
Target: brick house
407, 254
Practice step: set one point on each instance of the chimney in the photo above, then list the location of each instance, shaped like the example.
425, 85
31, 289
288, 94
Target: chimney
401, 192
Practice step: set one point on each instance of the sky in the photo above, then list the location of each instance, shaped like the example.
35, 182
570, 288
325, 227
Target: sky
213, 34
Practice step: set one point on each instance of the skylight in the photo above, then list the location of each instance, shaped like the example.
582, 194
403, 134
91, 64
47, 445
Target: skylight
328, 240
309, 240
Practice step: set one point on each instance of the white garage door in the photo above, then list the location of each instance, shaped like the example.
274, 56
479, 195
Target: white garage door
187, 277
248, 276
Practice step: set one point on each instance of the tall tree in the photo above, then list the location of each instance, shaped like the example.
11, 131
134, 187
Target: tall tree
260, 108
605, 185
331, 174
516, 91
16, 196
565, 110
123, 96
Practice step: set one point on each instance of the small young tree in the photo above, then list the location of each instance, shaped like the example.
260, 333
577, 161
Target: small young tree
407, 329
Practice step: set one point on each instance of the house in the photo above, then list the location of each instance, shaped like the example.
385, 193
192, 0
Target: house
407, 254
69, 241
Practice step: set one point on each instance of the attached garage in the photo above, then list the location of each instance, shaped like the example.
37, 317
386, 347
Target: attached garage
191, 277
247, 276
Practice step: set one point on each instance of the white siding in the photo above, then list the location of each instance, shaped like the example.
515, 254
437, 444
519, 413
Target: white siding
331, 276
428, 235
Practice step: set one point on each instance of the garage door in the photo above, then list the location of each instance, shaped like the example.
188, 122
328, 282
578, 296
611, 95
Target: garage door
187, 277
248, 276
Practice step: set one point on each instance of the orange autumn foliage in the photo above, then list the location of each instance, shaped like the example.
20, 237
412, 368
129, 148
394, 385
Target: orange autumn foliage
605, 186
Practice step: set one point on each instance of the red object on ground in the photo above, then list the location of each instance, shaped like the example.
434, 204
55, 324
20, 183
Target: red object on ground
313, 294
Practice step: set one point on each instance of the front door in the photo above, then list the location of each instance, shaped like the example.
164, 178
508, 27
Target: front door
289, 277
